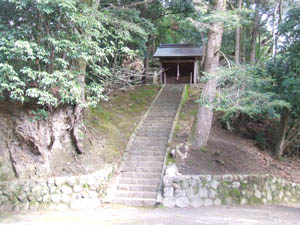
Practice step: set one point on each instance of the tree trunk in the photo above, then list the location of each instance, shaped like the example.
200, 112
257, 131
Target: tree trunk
77, 129
281, 138
146, 4
254, 33
147, 59
243, 45
211, 63
276, 22
238, 39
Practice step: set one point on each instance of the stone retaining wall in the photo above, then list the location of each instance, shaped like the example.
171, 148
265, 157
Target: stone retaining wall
206, 190
55, 193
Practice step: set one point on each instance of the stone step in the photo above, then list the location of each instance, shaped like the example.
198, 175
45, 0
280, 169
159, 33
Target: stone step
165, 107
158, 119
152, 134
142, 169
148, 148
144, 164
151, 158
170, 95
151, 139
143, 188
164, 118
146, 153
141, 140
166, 102
140, 181
137, 202
149, 142
168, 99
157, 125
169, 108
162, 110
142, 144
140, 175
153, 129
134, 194
162, 114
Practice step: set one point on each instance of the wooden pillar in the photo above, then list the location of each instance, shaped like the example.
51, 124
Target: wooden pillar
161, 73
177, 78
165, 78
155, 78
195, 71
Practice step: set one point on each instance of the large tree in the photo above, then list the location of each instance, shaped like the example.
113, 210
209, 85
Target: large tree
211, 63
285, 69
255, 31
237, 52
269, 90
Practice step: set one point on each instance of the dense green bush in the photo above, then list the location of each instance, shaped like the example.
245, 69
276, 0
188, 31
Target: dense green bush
41, 42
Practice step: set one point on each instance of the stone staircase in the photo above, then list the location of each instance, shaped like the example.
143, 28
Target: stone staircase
143, 162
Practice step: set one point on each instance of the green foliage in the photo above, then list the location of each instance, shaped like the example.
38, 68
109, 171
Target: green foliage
177, 29
248, 90
40, 114
170, 159
185, 94
41, 41
261, 140
290, 29
285, 73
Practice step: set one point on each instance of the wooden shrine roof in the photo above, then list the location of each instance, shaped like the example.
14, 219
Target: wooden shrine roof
178, 50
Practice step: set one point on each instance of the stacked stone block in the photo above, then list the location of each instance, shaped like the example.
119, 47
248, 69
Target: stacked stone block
207, 190
55, 193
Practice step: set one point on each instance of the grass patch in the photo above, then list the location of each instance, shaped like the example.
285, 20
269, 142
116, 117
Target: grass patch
111, 123
181, 114
203, 149
170, 159
186, 94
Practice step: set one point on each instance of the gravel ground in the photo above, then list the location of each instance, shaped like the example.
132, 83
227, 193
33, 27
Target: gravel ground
120, 215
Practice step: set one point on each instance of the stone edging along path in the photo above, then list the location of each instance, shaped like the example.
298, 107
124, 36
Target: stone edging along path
207, 190
75, 192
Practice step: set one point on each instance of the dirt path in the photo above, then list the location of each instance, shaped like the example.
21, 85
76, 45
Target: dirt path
226, 153
116, 215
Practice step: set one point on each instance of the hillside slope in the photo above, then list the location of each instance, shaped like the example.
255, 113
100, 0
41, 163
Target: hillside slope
227, 152
108, 127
